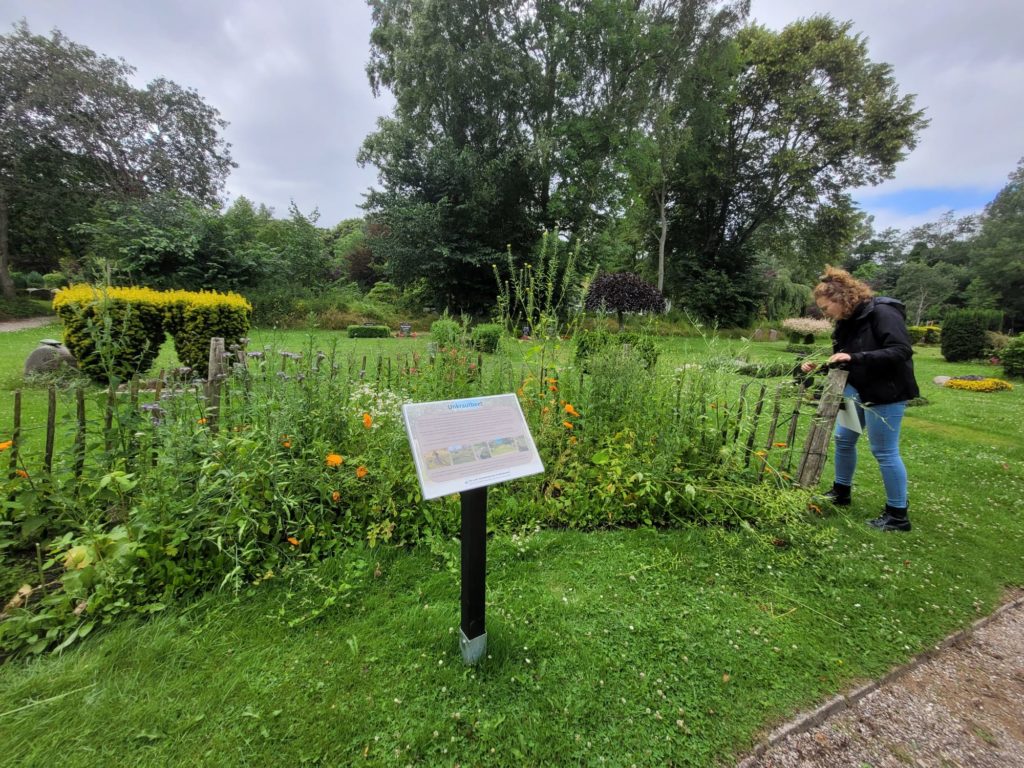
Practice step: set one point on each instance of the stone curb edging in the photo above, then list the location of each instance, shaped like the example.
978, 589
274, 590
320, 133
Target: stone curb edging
805, 721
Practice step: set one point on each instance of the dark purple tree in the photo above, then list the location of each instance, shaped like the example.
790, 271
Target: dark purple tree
623, 292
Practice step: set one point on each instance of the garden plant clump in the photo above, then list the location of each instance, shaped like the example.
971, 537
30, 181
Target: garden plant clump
974, 383
305, 455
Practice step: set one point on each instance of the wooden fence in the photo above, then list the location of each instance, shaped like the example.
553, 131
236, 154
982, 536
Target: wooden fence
782, 408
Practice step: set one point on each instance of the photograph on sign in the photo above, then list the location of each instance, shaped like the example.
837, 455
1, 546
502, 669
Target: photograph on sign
469, 443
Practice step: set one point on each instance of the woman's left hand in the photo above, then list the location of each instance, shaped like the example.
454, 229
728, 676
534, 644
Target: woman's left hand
839, 357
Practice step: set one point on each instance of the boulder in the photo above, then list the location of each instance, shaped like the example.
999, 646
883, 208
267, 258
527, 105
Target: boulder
49, 356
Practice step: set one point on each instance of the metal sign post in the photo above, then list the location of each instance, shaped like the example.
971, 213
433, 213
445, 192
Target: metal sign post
464, 446
472, 631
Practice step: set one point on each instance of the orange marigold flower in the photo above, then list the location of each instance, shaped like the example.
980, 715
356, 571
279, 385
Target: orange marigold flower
286, 443
336, 496
780, 445
6, 444
571, 411
200, 421
21, 473
553, 388
567, 424
545, 409
367, 420
362, 471
335, 459
293, 541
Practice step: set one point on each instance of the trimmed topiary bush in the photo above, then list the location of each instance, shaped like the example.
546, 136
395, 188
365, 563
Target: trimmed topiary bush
486, 336
963, 335
113, 333
621, 293
118, 332
924, 334
369, 332
1012, 357
385, 292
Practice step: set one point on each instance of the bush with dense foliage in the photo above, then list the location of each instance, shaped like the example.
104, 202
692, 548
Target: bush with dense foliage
117, 332
368, 332
446, 332
963, 335
302, 460
1012, 357
486, 336
924, 334
623, 293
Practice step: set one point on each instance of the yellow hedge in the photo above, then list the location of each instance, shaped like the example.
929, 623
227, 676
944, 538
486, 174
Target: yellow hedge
117, 332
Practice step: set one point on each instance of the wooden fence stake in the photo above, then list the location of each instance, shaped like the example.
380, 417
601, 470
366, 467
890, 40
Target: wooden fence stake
753, 424
770, 442
51, 423
16, 432
80, 432
791, 434
214, 378
812, 462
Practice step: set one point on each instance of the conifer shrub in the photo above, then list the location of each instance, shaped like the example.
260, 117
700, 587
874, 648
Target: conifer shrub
963, 335
118, 332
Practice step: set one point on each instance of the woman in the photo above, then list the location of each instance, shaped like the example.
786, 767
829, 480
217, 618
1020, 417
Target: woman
871, 341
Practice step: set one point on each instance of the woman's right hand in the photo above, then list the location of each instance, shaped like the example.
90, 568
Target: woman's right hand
808, 367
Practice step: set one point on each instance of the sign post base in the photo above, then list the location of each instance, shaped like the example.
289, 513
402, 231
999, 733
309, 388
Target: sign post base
472, 650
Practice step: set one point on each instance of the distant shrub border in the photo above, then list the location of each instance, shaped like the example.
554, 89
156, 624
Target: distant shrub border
924, 334
118, 332
369, 332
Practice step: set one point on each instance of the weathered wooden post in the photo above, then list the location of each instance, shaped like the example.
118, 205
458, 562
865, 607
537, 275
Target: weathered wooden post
51, 424
214, 377
16, 431
812, 462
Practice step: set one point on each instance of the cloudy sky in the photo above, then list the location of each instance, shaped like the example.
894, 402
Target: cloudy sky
290, 80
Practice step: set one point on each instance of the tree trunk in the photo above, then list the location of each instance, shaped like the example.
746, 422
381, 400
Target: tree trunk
6, 283
662, 237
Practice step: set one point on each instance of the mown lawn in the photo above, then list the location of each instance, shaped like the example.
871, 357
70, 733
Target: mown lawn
646, 647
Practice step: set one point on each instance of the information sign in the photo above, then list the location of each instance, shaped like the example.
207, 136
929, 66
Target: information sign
471, 443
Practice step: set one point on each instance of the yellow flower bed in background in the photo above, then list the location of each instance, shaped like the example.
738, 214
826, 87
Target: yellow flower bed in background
979, 385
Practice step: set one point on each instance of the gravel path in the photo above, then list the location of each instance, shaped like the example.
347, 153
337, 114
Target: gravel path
28, 322
959, 707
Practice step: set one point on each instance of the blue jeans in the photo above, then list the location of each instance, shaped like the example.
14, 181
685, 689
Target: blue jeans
882, 423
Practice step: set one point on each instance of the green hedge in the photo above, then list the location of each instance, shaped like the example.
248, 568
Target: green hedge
118, 332
369, 332
591, 343
486, 336
924, 334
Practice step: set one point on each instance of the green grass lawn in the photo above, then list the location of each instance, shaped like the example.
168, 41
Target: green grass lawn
647, 647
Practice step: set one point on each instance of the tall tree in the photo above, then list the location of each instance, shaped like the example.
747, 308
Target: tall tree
806, 116
67, 108
511, 116
999, 248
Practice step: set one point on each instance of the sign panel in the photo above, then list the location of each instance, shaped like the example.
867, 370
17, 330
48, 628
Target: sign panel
469, 443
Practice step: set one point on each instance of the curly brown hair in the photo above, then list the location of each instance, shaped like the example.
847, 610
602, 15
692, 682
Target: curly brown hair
839, 286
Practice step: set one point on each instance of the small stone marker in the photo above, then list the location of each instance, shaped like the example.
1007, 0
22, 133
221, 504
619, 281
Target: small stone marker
941, 380
404, 329
759, 334
773, 335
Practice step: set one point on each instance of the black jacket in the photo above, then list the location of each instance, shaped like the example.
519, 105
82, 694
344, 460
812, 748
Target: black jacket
875, 336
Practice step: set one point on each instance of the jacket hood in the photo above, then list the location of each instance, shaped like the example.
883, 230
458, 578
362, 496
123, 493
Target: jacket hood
869, 306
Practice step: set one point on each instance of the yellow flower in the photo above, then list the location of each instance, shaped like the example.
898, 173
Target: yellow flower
762, 454
362, 471
367, 420
567, 424
200, 421
6, 444
572, 440
336, 496
570, 410
335, 460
